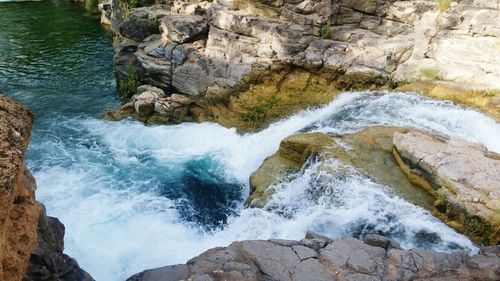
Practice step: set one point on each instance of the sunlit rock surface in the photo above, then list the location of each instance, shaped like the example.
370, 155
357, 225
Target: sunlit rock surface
320, 258
464, 177
232, 57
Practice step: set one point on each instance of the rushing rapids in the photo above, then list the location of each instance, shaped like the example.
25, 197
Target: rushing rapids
134, 197
181, 188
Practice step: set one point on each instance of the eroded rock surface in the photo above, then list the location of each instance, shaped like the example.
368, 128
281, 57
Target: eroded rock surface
233, 58
369, 150
31, 244
464, 177
320, 258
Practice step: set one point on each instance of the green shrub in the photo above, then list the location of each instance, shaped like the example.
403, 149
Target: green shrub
133, 3
128, 88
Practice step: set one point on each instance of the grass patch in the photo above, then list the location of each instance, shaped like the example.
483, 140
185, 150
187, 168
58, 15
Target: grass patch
443, 5
126, 89
432, 73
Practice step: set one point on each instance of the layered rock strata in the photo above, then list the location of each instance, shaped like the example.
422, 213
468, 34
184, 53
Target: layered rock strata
246, 62
318, 258
31, 243
464, 177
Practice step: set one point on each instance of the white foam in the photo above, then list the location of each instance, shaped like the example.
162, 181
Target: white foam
102, 181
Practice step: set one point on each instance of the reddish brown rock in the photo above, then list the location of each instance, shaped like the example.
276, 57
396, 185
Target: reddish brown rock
31, 244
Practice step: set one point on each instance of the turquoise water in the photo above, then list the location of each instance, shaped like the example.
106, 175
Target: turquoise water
134, 197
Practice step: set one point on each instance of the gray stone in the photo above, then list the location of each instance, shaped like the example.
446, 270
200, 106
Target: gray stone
304, 252
183, 28
381, 241
138, 28
312, 270
343, 259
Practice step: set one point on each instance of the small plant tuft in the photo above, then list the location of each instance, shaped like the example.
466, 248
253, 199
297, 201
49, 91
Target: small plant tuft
133, 3
443, 5
325, 29
126, 89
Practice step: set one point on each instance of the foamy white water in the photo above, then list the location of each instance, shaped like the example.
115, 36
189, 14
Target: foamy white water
107, 183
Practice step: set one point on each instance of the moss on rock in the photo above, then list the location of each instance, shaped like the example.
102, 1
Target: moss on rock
368, 150
486, 100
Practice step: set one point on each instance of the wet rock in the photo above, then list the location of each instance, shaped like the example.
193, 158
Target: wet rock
341, 259
167, 273
105, 9
292, 154
381, 241
47, 261
369, 150
465, 181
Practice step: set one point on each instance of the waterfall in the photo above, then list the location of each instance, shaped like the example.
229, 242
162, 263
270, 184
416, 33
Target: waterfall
117, 185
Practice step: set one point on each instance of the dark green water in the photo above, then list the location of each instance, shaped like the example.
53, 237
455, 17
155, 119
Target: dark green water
55, 59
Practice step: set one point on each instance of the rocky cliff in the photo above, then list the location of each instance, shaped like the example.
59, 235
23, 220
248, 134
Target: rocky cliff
243, 63
31, 243
318, 258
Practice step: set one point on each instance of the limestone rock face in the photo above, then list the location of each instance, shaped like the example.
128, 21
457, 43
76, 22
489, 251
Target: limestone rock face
217, 52
320, 258
31, 244
465, 178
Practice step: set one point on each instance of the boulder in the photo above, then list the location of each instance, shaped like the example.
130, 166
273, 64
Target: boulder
463, 176
369, 150
138, 28
341, 259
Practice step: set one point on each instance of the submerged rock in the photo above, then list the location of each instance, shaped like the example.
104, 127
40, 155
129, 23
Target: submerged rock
340, 259
464, 177
31, 244
368, 150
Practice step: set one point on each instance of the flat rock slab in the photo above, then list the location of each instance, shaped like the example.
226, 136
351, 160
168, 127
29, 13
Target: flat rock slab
342, 259
466, 175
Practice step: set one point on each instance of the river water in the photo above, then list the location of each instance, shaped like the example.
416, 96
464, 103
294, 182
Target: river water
134, 197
